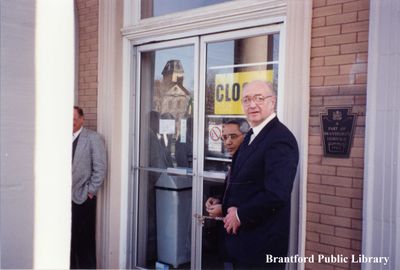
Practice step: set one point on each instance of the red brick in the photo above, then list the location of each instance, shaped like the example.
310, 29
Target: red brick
328, 10
353, 68
335, 201
314, 178
350, 172
320, 208
336, 181
313, 197
354, 48
356, 224
338, 100
348, 212
361, 78
320, 228
318, 22
334, 2
320, 248
355, 6
349, 192
363, 15
325, 51
316, 81
324, 170
337, 162
362, 36
341, 39
355, 27
317, 61
336, 221
314, 120
315, 150
353, 90
313, 217
348, 233
357, 151
355, 244
322, 189
362, 58
325, 31
341, 18
340, 59
335, 241
358, 162
312, 236
356, 203
339, 80
313, 159
319, 3
317, 42
324, 71
316, 140
325, 91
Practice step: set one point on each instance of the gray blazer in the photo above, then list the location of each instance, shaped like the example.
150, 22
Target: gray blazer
89, 166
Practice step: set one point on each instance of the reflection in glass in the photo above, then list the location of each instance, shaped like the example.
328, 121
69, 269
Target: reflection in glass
154, 8
166, 132
230, 65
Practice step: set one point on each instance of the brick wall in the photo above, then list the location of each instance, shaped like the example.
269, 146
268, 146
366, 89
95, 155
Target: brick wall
88, 20
338, 78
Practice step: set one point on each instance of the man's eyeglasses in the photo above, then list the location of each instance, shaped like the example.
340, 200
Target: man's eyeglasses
231, 136
257, 99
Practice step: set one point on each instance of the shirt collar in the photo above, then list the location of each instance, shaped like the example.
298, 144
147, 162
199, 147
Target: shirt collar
257, 129
76, 134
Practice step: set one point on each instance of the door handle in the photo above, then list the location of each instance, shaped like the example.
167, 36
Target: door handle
201, 218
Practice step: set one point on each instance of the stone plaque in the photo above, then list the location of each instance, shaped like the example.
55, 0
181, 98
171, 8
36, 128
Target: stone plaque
337, 127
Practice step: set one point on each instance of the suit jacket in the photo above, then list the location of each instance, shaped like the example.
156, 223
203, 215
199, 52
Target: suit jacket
89, 166
260, 186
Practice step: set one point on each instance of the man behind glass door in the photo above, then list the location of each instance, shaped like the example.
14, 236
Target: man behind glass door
256, 202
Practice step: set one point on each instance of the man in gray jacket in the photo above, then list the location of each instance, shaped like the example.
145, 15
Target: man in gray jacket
89, 167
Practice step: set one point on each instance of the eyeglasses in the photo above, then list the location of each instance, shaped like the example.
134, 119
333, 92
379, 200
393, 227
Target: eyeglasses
231, 136
257, 99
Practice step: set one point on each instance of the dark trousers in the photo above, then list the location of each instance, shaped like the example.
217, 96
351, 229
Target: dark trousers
83, 238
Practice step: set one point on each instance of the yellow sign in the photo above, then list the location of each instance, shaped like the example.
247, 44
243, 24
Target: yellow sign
229, 87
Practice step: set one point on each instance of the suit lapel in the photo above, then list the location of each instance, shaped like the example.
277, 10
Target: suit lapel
83, 140
245, 152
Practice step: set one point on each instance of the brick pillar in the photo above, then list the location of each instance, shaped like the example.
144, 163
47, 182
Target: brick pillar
88, 20
338, 78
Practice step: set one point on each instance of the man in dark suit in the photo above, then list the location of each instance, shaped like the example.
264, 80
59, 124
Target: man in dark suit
89, 166
256, 203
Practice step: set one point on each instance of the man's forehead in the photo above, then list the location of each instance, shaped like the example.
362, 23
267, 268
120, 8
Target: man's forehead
256, 88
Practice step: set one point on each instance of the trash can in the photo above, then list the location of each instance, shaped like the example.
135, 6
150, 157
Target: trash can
173, 207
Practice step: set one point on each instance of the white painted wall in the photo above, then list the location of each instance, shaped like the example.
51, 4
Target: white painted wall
37, 81
381, 210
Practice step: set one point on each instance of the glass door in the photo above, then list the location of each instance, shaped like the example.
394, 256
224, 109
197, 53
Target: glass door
165, 162
188, 121
228, 61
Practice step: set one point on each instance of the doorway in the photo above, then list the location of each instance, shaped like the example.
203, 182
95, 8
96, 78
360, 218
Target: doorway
186, 89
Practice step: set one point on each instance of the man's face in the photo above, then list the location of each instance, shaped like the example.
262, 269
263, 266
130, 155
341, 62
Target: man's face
260, 102
232, 137
78, 121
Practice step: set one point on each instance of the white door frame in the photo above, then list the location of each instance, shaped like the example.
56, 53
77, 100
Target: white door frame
116, 57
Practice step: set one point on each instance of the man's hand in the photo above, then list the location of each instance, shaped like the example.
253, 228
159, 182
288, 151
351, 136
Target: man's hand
211, 201
231, 221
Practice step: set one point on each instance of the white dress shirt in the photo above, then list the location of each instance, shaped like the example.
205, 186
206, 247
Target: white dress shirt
257, 129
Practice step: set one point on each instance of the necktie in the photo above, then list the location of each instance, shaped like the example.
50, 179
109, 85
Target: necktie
247, 137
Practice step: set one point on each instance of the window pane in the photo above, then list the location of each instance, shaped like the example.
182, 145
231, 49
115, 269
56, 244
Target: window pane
154, 8
167, 108
166, 113
231, 64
